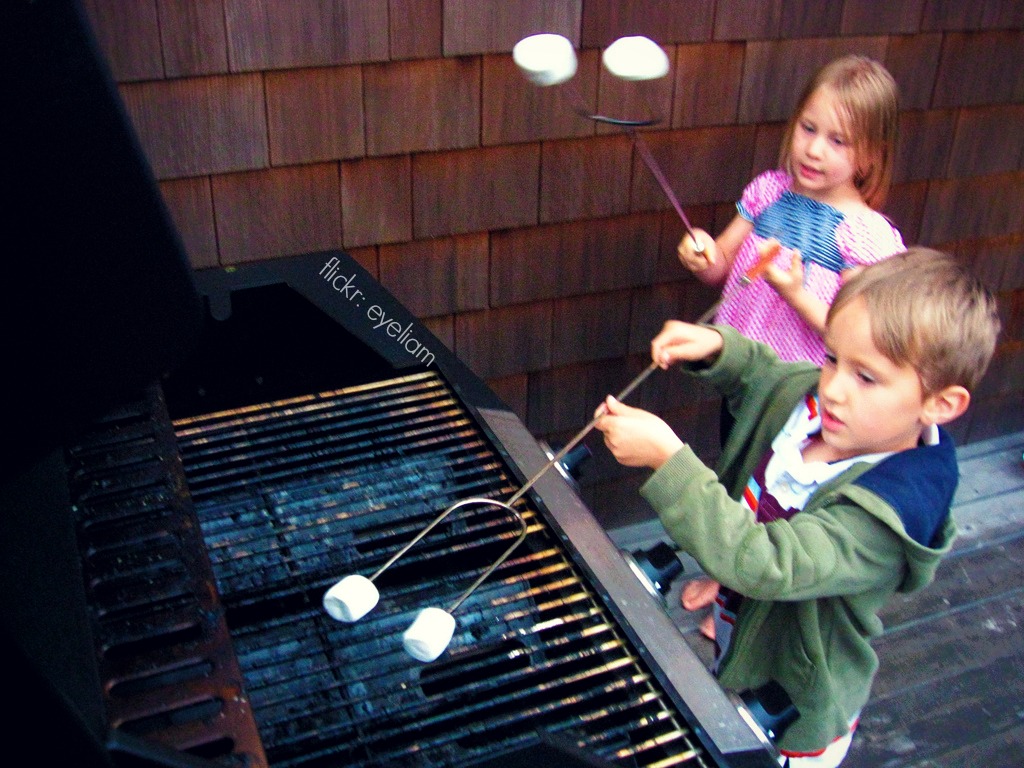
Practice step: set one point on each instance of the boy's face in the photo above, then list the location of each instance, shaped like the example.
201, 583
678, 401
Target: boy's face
869, 404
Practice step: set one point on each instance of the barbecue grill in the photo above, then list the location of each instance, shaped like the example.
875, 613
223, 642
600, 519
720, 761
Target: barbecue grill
210, 531
192, 460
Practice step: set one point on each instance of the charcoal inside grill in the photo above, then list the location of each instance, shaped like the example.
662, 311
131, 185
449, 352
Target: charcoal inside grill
532, 644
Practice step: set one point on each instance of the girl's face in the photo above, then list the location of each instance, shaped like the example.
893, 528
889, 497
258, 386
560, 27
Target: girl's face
821, 155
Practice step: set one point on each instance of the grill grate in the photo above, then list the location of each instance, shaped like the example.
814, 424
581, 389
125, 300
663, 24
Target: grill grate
162, 646
292, 495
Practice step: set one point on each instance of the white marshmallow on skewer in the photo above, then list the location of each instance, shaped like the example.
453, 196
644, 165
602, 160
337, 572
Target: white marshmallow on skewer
635, 58
546, 59
428, 636
351, 598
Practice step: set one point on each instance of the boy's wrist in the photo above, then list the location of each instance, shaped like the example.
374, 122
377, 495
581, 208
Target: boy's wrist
667, 450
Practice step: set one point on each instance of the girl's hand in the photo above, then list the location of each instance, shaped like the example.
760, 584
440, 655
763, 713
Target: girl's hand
685, 342
787, 283
635, 437
790, 286
712, 266
694, 260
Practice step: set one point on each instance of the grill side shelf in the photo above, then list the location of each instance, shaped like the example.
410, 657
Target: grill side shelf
702, 701
165, 659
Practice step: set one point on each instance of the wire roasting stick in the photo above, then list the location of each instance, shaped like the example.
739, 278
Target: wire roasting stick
427, 637
547, 60
533, 480
652, 165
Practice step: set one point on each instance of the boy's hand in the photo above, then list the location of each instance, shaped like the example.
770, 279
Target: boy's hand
635, 437
686, 342
691, 258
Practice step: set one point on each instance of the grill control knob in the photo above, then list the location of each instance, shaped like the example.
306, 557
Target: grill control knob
655, 567
351, 598
428, 636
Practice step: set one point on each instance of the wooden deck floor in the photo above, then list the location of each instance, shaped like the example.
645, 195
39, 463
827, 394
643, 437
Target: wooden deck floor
950, 689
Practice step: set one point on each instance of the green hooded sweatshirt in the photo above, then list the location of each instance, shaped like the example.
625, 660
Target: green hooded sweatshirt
813, 585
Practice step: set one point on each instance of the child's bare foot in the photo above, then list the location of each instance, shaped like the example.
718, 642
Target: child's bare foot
707, 627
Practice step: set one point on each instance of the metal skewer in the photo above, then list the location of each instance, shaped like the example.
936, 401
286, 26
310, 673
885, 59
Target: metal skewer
629, 127
507, 505
428, 636
659, 176
548, 59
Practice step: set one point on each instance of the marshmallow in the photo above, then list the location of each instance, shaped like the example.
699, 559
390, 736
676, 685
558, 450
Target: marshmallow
351, 598
428, 636
635, 58
546, 59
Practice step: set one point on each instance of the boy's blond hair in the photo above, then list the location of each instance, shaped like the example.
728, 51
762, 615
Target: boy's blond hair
927, 311
868, 100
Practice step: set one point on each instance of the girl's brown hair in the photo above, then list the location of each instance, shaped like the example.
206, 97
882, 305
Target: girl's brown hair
868, 100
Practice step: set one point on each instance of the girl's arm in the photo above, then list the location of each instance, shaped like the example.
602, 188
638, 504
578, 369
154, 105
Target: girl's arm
790, 286
712, 266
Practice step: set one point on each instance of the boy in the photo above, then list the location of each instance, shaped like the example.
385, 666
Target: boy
843, 478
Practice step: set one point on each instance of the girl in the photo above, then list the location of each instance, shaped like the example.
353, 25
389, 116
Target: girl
821, 204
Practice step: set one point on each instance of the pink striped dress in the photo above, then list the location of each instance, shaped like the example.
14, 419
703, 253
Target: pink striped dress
828, 241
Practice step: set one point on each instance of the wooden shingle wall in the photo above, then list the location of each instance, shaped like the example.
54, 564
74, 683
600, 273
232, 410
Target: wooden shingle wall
533, 242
